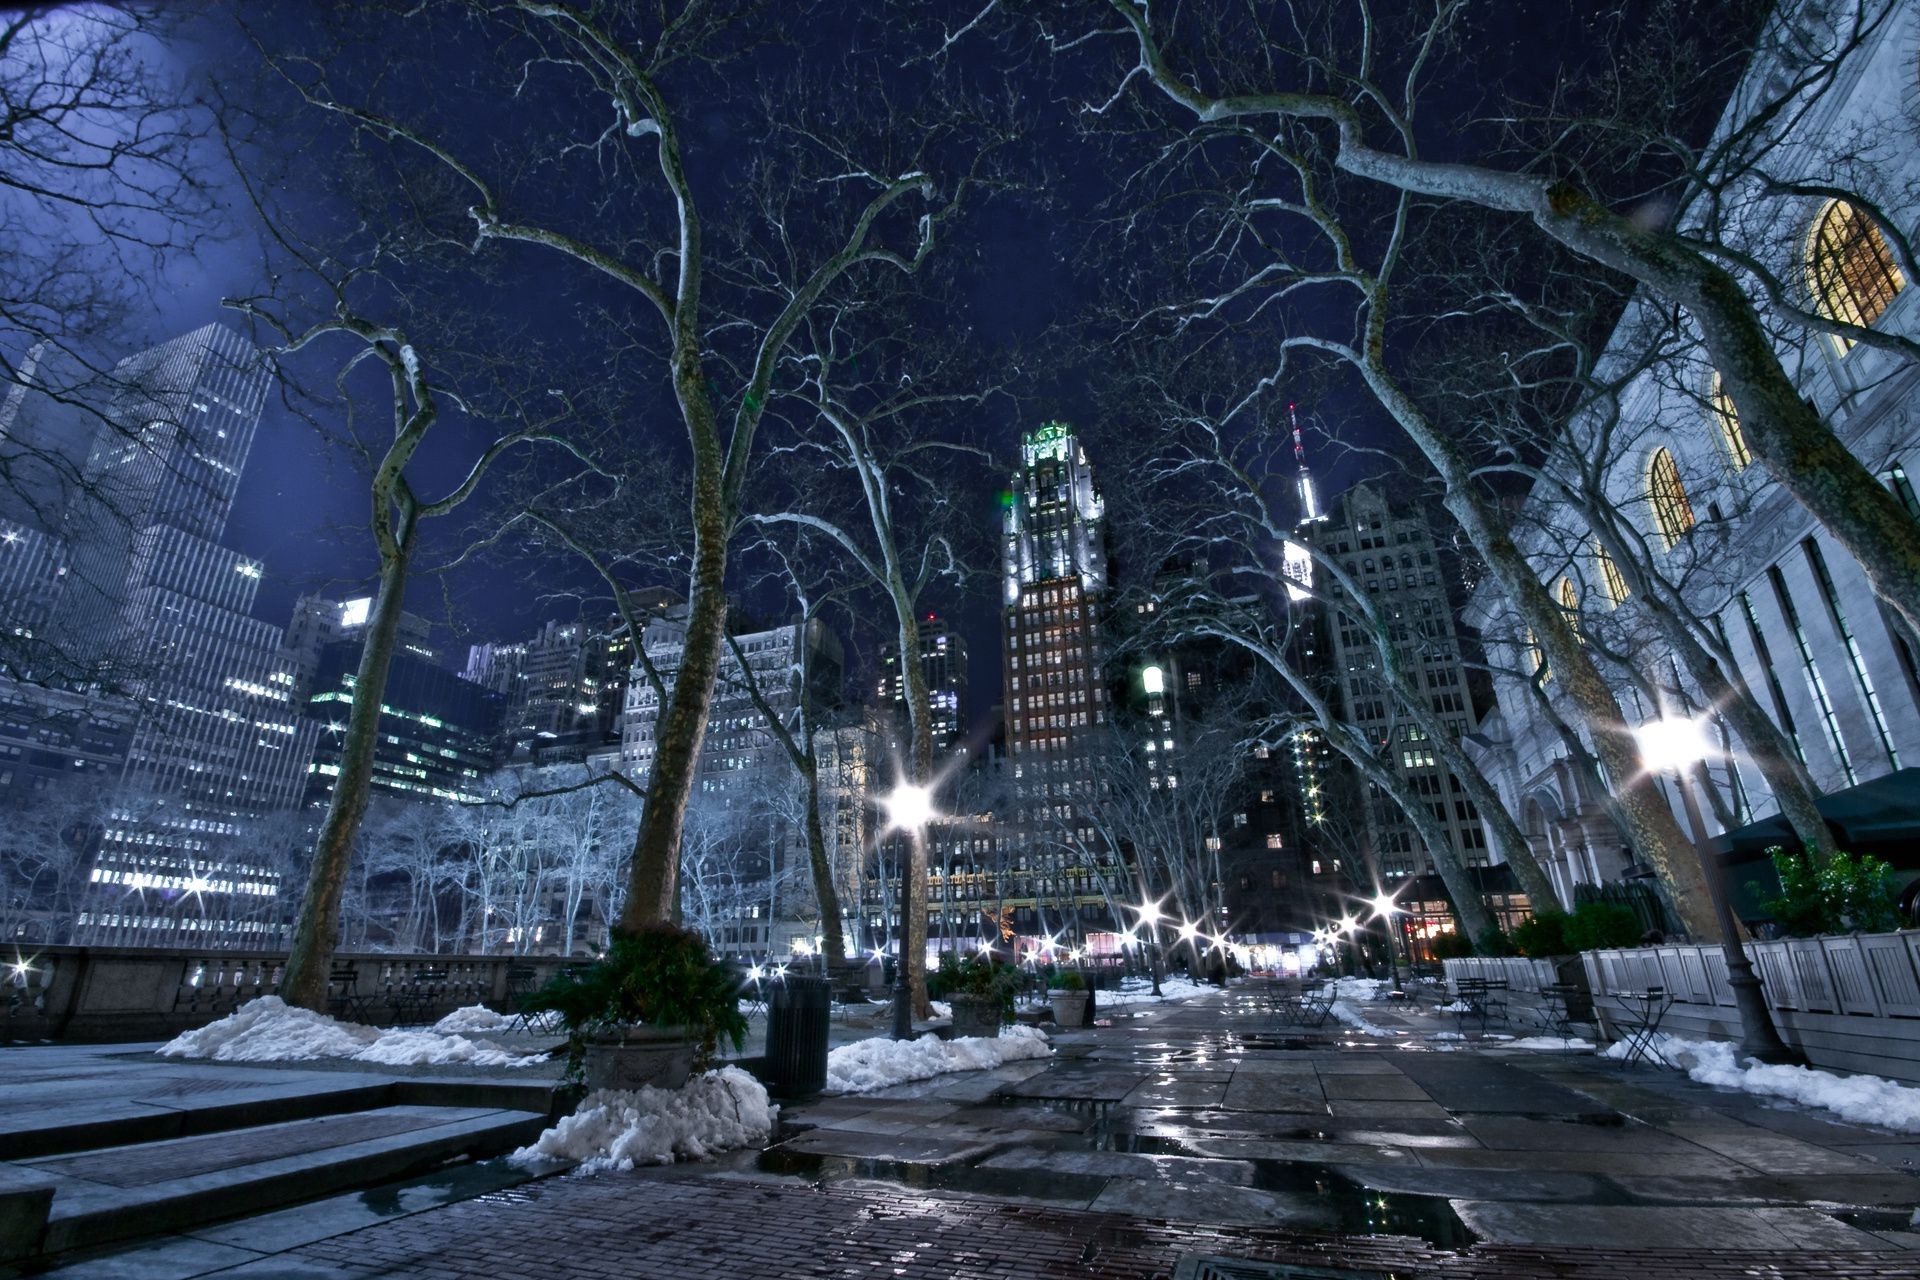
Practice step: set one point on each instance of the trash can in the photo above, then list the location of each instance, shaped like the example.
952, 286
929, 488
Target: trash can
798, 1012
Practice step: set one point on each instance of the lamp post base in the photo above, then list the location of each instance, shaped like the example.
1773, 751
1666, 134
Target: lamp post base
902, 1010
1758, 1039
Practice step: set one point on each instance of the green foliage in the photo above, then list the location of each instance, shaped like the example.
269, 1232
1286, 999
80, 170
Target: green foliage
1594, 925
977, 978
1494, 942
1451, 946
1066, 980
1542, 934
1848, 894
660, 976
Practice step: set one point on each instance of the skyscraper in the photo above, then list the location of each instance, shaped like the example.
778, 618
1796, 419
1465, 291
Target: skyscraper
1054, 576
156, 611
1388, 551
943, 662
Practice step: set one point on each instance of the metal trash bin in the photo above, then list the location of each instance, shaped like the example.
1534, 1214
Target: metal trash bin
798, 1012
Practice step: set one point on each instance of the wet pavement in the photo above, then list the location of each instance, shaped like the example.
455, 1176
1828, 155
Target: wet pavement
1201, 1130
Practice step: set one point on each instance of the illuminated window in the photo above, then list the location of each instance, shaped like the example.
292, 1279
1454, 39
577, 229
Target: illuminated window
1672, 513
1610, 574
1728, 421
1570, 601
1849, 266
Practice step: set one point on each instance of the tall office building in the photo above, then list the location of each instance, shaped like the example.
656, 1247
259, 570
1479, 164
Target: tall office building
318, 622
1053, 581
439, 734
160, 613
943, 663
1388, 551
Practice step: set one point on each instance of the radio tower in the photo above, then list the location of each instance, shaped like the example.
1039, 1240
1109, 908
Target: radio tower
1310, 512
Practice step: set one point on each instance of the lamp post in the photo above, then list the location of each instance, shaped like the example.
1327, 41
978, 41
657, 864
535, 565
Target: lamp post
1678, 745
1386, 908
909, 809
1149, 913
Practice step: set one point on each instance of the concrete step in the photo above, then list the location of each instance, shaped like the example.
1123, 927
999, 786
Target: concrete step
121, 1192
197, 1100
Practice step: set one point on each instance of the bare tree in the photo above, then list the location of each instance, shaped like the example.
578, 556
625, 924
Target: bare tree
601, 97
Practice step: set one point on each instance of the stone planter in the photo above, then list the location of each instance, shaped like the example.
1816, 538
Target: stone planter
659, 1056
975, 1016
1070, 1007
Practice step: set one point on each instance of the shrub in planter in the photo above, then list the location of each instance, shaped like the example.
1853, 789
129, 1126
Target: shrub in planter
1067, 992
1495, 942
1846, 894
1597, 925
1450, 946
1543, 934
978, 985
659, 977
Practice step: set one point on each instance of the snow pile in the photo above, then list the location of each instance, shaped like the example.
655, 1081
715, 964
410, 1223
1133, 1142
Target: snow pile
1861, 1099
1356, 988
866, 1065
1446, 1035
1134, 990
271, 1030
1458, 1006
616, 1129
1346, 1013
475, 1017
1570, 1044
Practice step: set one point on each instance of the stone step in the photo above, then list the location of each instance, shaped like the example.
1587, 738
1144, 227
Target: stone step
201, 1101
121, 1192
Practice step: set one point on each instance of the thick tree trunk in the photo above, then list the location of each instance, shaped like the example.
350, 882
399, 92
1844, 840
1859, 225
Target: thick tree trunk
317, 931
654, 880
831, 928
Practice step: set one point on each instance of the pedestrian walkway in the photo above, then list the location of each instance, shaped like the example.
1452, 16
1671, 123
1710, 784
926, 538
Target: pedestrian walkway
1178, 1133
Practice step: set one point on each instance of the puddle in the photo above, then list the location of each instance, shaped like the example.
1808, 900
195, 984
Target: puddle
1032, 1184
1890, 1219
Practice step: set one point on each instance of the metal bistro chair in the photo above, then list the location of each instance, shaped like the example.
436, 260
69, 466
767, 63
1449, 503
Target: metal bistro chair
417, 998
520, 988
1556, 1001
345, 1000
1640, 1018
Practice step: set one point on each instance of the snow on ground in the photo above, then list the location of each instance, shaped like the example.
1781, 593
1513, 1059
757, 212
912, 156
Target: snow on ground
1345, 1012
1136, 990
271, 1030
1861, 1099
616, 1129
866, 1065
475, 1017
1569, 1044
1356, 988
1446, 1035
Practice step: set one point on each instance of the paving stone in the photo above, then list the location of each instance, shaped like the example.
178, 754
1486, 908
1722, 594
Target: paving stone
1774, 1153
1104, 1086
1171, 1091
177, 1259
1392, 1111
1652, 1227
1481, 1184
1471, 1082
922, 1147
1512, 1133
1376, 1088
1281, 1149
1274, 1091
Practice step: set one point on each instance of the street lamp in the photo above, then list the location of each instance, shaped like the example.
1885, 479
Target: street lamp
1150, 917
1385, 907
1678, 745
909, 808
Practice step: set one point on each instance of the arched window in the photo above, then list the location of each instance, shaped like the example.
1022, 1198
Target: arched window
1570, 601
1537, 657
1610, 575
1728, 421
1849, 266
1672, 513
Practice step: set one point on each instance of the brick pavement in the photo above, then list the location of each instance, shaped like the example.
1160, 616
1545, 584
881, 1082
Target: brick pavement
642, 1228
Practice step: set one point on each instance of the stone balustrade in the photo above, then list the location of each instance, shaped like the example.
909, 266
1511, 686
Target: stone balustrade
106, 994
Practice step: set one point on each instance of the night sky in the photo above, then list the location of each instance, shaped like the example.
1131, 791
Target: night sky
1023, 279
